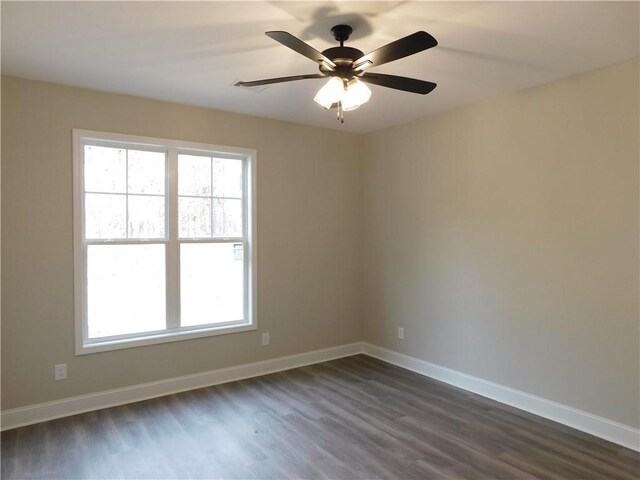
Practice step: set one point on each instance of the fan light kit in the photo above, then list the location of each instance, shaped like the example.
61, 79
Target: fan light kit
346, 68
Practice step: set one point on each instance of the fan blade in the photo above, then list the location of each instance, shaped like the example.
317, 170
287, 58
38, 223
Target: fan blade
399, 83
401, 48
269, 81
299, 46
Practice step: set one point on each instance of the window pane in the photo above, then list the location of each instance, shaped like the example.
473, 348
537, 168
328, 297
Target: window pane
125, 289
105, 215
227, 178
146, 217
211, 283
227, 218
104, 169
194, 175
195, 217
146, 172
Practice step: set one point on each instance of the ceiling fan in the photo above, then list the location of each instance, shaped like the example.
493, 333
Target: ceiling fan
346, 68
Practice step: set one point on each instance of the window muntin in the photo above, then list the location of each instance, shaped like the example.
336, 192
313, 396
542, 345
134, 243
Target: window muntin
209, 197
124, 192
164, 246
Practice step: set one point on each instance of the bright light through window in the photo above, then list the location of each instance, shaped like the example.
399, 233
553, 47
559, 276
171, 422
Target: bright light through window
163, 240
126, 289
211, 283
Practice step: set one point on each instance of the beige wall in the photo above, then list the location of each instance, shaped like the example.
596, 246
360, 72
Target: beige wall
309, 263
504, 238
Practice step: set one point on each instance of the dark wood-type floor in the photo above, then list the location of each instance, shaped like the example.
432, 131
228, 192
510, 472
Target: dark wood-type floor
355, 417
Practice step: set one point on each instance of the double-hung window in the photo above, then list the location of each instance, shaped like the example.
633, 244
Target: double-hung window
164, 240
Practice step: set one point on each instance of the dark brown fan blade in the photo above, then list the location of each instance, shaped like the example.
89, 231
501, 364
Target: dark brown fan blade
401, 48
269, 81
399, 83
299, 46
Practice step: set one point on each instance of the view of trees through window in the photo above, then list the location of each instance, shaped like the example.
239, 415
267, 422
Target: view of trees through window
131, 241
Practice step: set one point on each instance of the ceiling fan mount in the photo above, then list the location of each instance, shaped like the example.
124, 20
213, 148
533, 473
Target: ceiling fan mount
343, 57
346, 68
341, 32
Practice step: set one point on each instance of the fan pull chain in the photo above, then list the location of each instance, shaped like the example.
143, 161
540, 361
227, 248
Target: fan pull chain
340, 113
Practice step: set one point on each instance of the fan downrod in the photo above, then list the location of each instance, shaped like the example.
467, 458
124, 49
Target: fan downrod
341, 33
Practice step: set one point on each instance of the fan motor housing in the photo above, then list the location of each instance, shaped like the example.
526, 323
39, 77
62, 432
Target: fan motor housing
343, 57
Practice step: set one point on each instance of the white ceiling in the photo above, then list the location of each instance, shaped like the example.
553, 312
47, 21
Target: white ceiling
192, 52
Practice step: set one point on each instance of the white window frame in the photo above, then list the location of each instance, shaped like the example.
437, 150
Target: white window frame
173, 333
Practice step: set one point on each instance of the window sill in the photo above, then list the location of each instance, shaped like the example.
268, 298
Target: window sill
97, 346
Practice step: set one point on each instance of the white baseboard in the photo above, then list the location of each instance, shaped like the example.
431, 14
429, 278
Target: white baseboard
600, 427
41, 412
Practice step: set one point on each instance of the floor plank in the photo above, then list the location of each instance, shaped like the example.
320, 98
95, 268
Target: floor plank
353, 418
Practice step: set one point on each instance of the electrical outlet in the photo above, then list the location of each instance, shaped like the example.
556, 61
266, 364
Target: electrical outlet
401, 333
60, 371
265, 338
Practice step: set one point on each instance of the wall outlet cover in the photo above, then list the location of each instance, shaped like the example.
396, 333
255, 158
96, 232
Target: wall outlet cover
60, 371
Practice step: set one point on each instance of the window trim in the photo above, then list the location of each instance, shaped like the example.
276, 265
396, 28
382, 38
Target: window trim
173, 147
